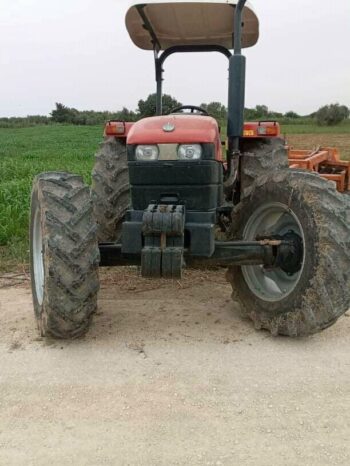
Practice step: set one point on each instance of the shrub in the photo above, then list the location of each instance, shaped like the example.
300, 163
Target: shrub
331, 115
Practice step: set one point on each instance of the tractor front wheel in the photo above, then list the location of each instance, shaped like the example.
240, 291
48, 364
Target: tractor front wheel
64, 255
315, 296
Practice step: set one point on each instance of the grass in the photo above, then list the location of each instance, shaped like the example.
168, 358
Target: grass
314, 129
25, 152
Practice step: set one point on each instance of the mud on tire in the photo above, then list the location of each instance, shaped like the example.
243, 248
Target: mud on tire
64, 255
322, 293
261, 157
110, 189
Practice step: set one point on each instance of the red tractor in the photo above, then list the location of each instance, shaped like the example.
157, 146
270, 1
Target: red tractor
164, 195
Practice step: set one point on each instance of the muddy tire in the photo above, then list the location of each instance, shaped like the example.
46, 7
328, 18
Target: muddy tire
110, 189
261, 157
312, 300
64, 255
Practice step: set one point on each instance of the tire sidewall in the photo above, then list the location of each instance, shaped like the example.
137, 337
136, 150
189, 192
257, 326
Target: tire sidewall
36, 206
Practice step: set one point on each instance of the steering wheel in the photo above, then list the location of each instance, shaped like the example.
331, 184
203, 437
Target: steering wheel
193, 109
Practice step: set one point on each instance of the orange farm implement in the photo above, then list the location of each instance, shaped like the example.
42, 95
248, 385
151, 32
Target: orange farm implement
325, 161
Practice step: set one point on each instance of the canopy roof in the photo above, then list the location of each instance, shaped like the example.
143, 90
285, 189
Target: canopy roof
158, 24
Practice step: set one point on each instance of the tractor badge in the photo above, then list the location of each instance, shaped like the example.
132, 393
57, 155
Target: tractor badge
168, 127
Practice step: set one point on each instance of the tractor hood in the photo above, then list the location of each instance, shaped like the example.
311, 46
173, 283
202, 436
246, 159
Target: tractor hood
172, 129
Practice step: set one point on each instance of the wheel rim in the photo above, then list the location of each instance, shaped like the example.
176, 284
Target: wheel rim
272, 284
38, 261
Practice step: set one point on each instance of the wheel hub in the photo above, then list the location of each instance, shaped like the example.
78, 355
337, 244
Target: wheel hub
275, 220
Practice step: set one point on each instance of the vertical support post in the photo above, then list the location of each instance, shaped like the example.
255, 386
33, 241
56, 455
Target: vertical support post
159, 80
236, 98
159, 102
236, 93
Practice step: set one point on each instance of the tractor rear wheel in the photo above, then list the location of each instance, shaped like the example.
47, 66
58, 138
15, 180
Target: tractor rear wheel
64, 255
261, 157
110, 189
313, 298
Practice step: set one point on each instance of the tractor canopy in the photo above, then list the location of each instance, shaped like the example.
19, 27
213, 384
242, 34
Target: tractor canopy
158, 25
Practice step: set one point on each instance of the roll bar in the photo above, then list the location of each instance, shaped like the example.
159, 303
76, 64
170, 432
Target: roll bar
160, 59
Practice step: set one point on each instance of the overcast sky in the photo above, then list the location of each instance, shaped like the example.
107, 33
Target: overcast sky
78, 52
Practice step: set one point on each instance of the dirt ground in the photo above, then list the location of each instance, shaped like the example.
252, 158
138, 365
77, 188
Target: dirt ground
311, 141
169, 375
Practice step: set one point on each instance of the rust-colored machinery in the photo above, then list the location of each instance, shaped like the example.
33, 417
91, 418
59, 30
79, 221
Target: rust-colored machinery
325, 161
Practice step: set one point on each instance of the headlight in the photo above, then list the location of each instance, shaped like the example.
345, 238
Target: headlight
147, 152
189, 151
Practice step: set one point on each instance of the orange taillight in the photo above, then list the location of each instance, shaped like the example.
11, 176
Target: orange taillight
115, 128
267, 130
258, 129
272, 130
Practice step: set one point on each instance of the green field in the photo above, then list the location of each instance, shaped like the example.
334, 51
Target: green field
314, 129
25, 152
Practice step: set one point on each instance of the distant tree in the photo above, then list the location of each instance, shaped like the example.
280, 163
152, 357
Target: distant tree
126, 115
331, 115
63, 114
262, 111
249, 114
217, 110
147, 108
291, 114
274, 115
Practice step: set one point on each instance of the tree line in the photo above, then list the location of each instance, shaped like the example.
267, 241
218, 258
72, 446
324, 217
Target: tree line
328, 115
